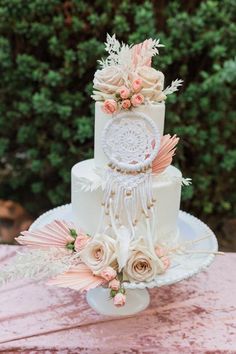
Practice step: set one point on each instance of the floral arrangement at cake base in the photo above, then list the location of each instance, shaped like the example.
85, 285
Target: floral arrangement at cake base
85, 262
62, 255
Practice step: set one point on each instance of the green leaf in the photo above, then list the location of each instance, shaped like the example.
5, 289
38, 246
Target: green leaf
73, 233
70, 246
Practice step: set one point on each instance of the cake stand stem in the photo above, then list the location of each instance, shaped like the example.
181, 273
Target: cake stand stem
136, 300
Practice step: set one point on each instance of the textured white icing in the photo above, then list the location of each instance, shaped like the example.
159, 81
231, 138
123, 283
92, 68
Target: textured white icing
86, 205
155, 111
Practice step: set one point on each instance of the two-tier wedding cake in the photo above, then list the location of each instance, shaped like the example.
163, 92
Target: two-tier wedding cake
132, 157
125, 201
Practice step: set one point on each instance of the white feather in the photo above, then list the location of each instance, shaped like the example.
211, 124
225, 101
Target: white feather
37, 264
186, 181
123, 242
173, 87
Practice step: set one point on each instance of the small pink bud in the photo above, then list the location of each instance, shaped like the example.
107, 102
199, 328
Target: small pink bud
166, 262
160, 252
137, 84
109, 106
137, 99
108, 273
124, 92
126, 104
119, 300
114, 284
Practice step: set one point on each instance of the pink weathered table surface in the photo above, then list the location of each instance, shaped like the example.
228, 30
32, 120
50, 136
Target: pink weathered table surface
197, 315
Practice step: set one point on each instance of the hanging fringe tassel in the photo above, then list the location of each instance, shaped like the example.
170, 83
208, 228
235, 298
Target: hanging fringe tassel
123, 237
127, 197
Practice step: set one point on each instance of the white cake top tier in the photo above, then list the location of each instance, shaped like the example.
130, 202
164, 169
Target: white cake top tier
155, 111
126, 81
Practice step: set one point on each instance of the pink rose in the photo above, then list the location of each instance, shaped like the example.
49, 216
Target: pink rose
109, 106
137, 99
114, 284
166, 262
80, 242
126, 104
137, 84
108, 273
119, 300
124, 92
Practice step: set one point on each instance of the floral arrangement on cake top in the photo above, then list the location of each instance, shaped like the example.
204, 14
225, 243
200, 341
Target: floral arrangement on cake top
127, 79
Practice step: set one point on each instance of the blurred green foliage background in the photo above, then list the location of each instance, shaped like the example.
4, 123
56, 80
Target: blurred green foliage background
48, 56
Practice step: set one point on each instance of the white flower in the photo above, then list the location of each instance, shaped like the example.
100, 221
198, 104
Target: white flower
143, 265
108, 79
152, 83
99, 253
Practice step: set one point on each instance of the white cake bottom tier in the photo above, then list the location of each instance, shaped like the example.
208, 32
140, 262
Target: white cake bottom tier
87, 197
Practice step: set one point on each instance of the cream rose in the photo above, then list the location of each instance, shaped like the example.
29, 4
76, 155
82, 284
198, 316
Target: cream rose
99, 253
152, 83
108, 79
142, 265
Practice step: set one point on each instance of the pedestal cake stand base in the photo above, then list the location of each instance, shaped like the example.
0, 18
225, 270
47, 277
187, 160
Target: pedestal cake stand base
136, 300
183, 265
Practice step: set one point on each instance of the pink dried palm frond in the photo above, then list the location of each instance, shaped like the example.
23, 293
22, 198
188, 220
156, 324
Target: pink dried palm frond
78, 278
138, 50
165, 154
56, 234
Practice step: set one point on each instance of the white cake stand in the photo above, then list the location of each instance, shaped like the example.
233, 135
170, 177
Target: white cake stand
182, 266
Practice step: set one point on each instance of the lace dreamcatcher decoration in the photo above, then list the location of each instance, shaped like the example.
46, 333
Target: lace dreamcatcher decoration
131, 142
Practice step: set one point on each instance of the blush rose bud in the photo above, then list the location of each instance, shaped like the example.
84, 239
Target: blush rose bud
114, 284
108, 273
160, 252
137, 85
109, 106
119, 300
126, 104
124, 92
166, 262
137, 99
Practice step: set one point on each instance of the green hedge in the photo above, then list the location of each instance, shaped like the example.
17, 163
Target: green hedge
48, 56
